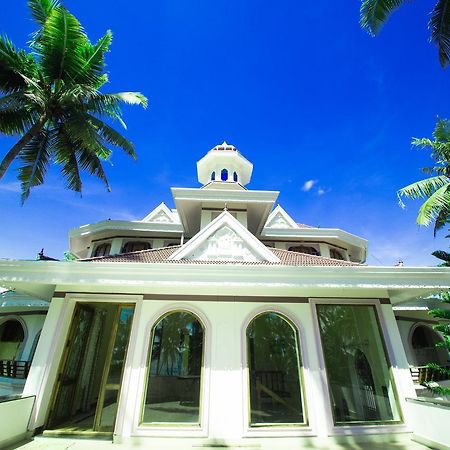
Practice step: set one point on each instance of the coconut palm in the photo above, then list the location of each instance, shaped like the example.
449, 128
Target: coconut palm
436, 188
51, 97
374, 13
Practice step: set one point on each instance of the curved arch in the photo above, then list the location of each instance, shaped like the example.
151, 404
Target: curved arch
102, 249
308, 249
12, 338
174, 368
224, 175
422, 341
135, 246
213, 176
274, 367
235, 177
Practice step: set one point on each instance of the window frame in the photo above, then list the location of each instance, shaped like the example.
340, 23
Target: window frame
276, 429
360, 427
174, 428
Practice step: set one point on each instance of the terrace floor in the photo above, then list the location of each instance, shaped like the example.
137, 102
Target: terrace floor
52, 443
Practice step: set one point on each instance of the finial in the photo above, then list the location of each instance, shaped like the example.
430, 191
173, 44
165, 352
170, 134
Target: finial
225, 207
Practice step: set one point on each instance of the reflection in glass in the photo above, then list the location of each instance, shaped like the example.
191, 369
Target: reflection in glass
274, 369
174, 376
361, 388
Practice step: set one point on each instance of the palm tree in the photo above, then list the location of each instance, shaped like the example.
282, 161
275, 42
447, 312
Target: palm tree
374, 13
436, 188
51, 98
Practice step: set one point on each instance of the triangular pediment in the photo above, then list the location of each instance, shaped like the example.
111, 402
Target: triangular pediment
225, 239
161, 214
280, 219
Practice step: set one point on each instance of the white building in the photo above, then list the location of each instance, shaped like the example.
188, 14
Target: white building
222, 322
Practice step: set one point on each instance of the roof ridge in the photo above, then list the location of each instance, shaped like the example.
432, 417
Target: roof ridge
326, 258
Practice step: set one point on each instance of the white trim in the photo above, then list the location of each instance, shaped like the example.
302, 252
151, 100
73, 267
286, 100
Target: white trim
279, 210
336, 430
224, 219
161, 208
174, 430
282, 430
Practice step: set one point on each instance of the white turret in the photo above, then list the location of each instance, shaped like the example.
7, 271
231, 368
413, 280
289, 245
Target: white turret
225, 164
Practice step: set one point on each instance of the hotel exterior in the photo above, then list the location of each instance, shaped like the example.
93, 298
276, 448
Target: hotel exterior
224, 322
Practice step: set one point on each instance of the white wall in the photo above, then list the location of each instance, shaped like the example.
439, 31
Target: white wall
15, 415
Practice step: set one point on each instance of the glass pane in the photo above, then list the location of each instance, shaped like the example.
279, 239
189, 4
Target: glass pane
274, 363
358, 374
112, 387
173, 385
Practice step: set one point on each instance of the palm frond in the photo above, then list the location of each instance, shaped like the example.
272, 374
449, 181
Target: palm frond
16, 121
439, 25
65, 155
14, 66
423, 188
374, 13
443, 256
113, 137
94, 56
36, 158
431, 208
40, 9
59, 46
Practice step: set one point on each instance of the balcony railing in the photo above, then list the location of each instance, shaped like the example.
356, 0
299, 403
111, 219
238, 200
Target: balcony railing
422, 374
14, 369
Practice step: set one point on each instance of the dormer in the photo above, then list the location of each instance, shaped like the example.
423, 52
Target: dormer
223, 167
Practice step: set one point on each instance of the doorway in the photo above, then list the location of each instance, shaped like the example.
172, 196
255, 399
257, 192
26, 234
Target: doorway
88, 386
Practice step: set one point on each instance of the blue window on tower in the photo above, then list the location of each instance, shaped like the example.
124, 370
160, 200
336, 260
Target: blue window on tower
224, 175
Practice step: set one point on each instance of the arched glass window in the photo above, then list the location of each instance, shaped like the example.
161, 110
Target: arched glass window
213, 176
235, 176
274, 371
174, 370
135, 246
102, 249
304, 249
224, 175
11, 338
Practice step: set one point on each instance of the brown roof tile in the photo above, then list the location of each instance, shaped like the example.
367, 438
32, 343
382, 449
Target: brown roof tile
161, 255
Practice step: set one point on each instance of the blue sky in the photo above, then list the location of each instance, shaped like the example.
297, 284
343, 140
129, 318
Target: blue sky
297, 87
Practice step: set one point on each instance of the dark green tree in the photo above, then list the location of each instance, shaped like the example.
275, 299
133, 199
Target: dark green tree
51, 97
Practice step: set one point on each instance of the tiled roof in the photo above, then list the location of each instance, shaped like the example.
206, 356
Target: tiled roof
161, 255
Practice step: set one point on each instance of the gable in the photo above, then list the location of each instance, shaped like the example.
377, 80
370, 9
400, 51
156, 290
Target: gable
224, 239
279, 218
161, 214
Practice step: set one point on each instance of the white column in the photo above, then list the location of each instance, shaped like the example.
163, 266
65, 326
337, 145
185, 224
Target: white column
324, 250
116, 246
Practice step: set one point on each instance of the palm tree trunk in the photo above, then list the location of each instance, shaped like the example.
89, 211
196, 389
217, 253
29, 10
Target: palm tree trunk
24, 140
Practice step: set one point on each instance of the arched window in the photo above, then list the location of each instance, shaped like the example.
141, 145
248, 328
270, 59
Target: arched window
135, 246
213, 176
423, 342
12, 336
224, 175
274, 371
102, 249
174, 370
336, 254
235, 176
304, 249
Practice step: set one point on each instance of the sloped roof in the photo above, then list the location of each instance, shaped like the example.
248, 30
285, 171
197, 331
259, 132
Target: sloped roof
161, 255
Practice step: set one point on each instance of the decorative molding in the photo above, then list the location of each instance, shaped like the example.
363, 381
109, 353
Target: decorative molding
224, 239
280, 219
161, 214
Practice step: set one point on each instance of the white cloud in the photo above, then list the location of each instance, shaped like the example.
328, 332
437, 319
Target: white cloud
320, 191
13, 186
308, 185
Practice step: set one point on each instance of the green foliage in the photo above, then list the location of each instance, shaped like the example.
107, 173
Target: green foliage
436, 189
51, 98
374, 13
